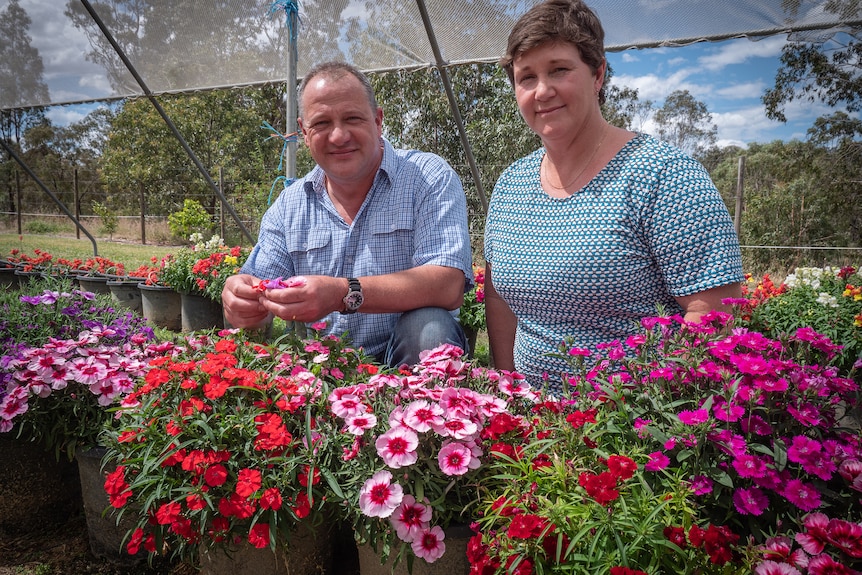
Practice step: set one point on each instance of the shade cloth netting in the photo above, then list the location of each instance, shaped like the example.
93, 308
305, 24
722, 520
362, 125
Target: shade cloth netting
187, 45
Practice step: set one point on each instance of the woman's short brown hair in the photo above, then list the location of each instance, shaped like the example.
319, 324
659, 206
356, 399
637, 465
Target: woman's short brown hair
569, 21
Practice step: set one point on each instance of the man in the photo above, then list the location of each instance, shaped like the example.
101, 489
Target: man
377, 237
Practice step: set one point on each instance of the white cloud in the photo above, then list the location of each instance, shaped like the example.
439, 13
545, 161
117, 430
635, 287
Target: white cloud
64, 115
740, 51
741, 91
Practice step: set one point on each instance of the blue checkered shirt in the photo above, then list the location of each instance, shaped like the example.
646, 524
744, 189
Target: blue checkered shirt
415, 214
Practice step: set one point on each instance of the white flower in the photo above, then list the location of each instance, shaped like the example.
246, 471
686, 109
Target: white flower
827, 299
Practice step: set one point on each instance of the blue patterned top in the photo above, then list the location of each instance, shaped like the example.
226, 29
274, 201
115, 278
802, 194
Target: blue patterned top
650, 226
415, 214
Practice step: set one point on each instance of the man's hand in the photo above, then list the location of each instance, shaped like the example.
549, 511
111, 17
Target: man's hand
242, 302
303, 298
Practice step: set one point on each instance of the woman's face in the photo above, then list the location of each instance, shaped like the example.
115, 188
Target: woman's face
556, 90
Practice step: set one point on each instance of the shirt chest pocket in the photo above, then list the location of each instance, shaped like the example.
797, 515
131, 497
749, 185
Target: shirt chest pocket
391, 239
312, 251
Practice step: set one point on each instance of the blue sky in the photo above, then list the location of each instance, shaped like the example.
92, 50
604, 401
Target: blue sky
730, 77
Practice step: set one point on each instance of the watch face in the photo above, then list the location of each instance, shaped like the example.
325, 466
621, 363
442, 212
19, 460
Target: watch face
353, 300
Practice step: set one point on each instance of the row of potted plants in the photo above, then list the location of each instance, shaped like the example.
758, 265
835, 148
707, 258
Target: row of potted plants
200, 268
726, 447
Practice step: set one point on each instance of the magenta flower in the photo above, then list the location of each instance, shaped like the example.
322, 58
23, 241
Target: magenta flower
429, 544
728, 442
806, 414
397, 447
727, 411
693, 417
776, 568
756, 425
750, 501
824, 564
802, 495
749, 466
657, 461
410, 518
802, 449
701, 485
379, 497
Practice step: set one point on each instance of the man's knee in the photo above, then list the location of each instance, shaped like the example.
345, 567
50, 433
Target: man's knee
421, 329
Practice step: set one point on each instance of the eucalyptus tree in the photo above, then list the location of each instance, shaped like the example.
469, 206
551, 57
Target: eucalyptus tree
22, 70
222, 127
686, 123
817, 67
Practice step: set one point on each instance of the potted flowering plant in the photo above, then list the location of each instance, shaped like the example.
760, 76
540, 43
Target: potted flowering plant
829, 300
66, 356
472, 313
415, 448
685, 449
203, 268
219, 447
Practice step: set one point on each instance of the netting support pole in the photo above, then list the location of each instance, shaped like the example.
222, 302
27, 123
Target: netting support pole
165, 118
51, 195
453, 103
291, 112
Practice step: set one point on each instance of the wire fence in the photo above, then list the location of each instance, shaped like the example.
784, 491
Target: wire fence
154, 230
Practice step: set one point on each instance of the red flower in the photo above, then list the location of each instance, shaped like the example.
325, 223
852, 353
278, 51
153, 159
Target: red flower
303, 506
621, 466
168, 513
259, 536
215, 475
519, 565
580, 418
248, 482
625, 571
527, 526
675, 535
116, 487
271, 499
303, 476
600, 487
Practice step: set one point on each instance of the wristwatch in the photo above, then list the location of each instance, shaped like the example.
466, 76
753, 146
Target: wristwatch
354, 298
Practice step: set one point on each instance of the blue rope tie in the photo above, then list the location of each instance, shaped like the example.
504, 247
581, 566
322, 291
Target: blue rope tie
290, 8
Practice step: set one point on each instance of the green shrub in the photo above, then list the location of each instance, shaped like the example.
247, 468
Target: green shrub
40, 227
193, 218
109, 218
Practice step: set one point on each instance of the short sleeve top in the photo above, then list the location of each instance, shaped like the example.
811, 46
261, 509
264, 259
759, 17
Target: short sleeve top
414, 214
651, 226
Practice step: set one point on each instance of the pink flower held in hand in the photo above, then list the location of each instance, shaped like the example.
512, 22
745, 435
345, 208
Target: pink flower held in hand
279, 283
379, 497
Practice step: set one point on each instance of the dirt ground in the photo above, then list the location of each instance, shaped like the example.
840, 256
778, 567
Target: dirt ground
63, 549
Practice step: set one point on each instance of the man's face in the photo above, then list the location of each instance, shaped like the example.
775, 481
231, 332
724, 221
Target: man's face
341, 129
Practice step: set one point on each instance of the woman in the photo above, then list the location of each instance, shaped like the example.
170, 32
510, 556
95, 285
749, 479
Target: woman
597, 228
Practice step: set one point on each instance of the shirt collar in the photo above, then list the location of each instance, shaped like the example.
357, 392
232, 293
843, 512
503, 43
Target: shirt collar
388, 166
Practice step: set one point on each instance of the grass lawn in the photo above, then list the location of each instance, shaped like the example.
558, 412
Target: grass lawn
130, 255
